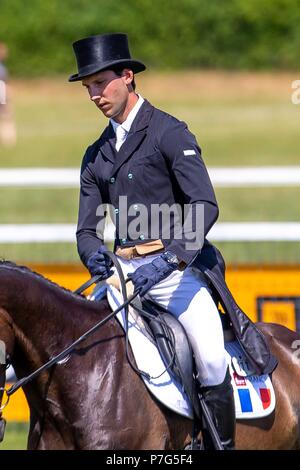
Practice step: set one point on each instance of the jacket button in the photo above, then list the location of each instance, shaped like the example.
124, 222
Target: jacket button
116, 211
123, 241
130, 176
142, 237
112, 179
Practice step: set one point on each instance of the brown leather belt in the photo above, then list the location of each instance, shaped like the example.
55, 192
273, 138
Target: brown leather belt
137, 251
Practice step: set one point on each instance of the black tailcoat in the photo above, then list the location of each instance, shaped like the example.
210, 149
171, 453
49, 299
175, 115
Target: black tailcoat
159, 163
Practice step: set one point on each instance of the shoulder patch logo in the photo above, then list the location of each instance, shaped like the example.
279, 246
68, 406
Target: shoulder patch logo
189, 152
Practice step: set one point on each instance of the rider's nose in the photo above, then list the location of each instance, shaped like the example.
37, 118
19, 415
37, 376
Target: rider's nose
94, 94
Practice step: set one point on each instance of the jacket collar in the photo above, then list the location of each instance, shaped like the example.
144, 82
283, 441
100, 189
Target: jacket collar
107, 143
131, 116
135, 136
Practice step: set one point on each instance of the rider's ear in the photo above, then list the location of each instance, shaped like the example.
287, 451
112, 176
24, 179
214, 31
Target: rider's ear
128, 76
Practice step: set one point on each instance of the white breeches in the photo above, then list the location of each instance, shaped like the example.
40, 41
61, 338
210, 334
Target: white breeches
186, 296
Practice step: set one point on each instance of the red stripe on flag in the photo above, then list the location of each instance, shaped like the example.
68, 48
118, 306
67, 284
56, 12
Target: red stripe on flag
265, 396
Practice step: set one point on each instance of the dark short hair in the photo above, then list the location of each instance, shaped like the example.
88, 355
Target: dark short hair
118, 71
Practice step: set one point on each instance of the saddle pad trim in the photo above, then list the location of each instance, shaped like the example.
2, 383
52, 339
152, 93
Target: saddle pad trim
254, 395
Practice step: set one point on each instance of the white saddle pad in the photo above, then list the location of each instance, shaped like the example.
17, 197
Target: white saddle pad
254, 395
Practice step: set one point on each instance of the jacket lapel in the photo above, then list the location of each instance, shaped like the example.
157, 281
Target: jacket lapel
107, 143
136, 135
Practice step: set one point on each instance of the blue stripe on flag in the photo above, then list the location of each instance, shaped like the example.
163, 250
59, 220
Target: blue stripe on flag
245, 400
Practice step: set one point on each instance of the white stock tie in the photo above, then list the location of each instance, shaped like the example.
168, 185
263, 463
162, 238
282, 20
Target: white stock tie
121, 135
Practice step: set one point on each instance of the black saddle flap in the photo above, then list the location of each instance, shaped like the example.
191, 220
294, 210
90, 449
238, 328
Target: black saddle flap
168, 332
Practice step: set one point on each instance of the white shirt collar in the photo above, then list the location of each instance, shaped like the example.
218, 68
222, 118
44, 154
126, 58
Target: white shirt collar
130, 118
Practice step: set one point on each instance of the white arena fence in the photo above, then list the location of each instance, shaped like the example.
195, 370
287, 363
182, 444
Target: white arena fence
221, 177
221, 232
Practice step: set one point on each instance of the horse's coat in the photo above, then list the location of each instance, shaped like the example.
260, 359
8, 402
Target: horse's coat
95, 400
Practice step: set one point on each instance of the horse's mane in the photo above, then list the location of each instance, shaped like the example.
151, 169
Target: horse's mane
24, 269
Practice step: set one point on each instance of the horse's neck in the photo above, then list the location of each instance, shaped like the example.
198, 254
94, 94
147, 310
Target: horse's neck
36, 309
44, 317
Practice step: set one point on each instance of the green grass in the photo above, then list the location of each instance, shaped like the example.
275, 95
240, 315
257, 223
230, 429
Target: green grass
258, 204
15, 437
238, 118
52, 253
61, 205
256, 136
254, 253
38, 205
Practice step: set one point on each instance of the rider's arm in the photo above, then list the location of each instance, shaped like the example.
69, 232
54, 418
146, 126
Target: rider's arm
183, 154
90, 221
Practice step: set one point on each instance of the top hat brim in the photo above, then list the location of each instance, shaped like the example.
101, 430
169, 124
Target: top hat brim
135, 65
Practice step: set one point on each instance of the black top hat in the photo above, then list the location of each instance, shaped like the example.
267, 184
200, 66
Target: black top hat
101, 52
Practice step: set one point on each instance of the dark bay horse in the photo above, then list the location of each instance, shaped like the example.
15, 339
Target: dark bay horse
95, 400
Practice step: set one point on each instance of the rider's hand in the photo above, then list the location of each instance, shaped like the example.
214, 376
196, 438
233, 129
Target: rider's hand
99, 264
147, 275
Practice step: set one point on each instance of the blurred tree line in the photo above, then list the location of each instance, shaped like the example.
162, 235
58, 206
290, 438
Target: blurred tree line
165, 34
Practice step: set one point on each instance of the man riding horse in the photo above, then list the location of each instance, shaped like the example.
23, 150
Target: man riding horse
149, 159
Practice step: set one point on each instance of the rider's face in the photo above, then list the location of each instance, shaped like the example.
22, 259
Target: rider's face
110, 92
